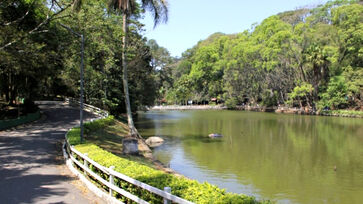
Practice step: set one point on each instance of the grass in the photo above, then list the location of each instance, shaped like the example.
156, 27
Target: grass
109, 137
344, 113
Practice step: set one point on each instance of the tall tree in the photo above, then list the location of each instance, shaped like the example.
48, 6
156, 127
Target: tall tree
159, 10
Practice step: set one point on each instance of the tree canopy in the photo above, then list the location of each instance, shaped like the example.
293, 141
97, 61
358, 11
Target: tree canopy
306, 57
46, 63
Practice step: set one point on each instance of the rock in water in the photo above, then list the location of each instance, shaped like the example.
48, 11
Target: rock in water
214, 135
154, 141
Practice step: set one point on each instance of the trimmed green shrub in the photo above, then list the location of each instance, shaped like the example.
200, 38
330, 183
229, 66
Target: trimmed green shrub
74, 136
98, 124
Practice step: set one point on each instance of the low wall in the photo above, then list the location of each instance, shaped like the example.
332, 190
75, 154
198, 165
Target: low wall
5, 124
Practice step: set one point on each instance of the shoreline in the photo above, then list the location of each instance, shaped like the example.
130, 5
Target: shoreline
280, 110
189, 107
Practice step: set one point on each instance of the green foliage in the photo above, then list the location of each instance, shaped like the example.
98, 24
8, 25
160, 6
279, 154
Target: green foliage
270, 99
162, 64
103, 73
74, 134
301, 92
288, 58
30, 62
47, 63
344, 113
336, 93
231, 103
263, 64
98, 124
182, 89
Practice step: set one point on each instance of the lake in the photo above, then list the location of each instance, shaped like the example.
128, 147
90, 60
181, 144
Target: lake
281, 157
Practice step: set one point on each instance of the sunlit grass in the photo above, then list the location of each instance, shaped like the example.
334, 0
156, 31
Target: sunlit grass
345, 112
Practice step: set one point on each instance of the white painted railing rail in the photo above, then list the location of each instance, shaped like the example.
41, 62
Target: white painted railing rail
73, 153
90, 108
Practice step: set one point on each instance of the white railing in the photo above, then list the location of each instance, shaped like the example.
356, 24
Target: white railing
88, 107
84, 166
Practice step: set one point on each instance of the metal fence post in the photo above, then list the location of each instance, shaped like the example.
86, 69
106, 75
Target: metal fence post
111, 180
85, 163
168, 190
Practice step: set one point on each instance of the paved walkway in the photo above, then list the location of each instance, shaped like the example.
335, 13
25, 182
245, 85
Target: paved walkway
32, 168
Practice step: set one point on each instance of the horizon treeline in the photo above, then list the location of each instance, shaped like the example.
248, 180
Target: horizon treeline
302, 58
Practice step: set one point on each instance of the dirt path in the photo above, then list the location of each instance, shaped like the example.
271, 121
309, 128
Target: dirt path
32, 168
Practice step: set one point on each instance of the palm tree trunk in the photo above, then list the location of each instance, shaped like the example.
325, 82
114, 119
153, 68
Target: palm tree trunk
133, 132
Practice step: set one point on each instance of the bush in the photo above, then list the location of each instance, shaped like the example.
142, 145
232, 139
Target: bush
301, 93
335, 95
74, 134
185, 188
269, 99
98, 124
231, 103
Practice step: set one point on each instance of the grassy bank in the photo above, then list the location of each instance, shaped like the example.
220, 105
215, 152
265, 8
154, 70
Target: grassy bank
343, 113
104, 136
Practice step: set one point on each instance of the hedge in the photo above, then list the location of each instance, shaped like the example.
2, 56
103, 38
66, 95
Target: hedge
183, 187
5, 124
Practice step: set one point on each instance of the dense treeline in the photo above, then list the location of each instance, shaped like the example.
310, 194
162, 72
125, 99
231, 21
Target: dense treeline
28, 55
40, 58
305, 58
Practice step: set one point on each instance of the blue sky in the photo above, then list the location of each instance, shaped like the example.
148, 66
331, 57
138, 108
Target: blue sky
194, 20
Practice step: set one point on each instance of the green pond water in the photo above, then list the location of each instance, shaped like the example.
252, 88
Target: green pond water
284, 158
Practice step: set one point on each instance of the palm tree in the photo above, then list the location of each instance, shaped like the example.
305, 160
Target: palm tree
159, 10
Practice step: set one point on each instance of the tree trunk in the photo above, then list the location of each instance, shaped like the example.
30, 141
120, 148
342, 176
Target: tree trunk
300, 103
133, 132
302, 73
11, 89
307, 101
282, 97
5, 86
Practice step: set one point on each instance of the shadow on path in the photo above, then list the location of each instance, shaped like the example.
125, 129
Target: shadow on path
31, 161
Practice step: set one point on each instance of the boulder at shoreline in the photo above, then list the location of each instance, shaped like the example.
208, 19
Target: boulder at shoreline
154, 141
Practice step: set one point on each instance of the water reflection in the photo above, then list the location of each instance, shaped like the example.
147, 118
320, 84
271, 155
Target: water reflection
287, 158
